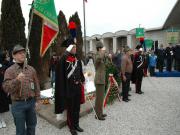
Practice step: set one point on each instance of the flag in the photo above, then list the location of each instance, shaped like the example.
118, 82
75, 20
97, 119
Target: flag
46, 10
139, 32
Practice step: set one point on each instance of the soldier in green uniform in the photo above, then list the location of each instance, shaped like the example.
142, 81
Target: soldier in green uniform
100, 80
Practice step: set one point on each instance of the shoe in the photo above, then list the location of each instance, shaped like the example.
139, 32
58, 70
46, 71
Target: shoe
79, 129
100, 118
140, 92
104, 115
129, 99
3, 124
73, 132
125, 100
0, 124
129, 94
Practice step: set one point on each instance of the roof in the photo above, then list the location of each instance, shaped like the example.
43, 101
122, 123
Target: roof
173, 18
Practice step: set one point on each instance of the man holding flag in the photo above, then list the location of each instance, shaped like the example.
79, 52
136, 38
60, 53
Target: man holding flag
21, 79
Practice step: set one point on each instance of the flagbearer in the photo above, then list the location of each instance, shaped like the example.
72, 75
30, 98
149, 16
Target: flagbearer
22, 83
68, 87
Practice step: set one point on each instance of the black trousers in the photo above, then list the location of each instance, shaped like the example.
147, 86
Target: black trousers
152, 70
126, 86
138, 83
160, 65
169, 65
73, 109
178, 65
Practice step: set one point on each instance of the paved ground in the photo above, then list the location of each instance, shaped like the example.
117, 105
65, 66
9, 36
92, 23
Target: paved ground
157, 112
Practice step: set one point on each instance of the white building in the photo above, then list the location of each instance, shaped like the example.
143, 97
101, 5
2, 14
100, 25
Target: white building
161, 35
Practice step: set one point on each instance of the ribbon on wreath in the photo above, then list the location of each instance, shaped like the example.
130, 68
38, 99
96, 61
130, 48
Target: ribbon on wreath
112, 85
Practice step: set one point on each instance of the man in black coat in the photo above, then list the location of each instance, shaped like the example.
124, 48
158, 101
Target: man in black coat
5, 99
68, 84
169, 58
138, 70
160, 58
177, 57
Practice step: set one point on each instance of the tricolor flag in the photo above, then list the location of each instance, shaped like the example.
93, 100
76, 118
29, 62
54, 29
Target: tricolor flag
46, 10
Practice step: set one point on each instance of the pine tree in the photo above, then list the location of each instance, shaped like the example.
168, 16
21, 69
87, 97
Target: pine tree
62, 35
12, 24
79, 38
40, 64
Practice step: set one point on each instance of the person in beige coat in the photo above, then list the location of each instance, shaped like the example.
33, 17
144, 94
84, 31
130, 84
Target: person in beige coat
100, 80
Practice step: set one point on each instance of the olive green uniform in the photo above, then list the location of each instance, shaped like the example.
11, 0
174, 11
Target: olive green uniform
99, 82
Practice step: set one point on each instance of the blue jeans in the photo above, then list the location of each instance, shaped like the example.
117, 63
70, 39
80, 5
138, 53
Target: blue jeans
24, 115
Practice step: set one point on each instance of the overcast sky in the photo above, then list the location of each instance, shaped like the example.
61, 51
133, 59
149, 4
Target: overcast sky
113, 15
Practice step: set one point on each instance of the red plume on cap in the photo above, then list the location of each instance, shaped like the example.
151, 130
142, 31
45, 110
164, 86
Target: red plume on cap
72, 25
72, 29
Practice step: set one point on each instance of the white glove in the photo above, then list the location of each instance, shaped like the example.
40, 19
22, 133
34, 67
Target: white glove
59, 117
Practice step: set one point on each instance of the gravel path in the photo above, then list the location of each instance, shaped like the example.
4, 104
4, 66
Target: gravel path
157, 112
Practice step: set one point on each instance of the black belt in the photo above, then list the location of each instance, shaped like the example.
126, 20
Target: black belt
24, 100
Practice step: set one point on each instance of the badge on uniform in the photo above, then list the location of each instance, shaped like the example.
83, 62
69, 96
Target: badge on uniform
32, 85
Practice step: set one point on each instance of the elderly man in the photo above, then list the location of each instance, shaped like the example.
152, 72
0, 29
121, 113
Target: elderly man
126, 70
21, 82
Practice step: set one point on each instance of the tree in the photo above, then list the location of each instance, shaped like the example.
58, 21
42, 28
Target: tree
40, 64
12, 24
79, 38
62, 35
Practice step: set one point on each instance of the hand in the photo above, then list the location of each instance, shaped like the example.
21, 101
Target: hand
37, 107
21, 76
124, 78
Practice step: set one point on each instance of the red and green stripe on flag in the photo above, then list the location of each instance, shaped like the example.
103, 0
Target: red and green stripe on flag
46, 10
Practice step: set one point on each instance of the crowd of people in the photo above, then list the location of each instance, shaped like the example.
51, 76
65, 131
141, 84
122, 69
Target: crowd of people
19, 85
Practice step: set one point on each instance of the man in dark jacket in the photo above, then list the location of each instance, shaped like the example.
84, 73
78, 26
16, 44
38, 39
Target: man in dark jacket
160, 58
169, 58
138, 70
5, 99
177, 57
68, 84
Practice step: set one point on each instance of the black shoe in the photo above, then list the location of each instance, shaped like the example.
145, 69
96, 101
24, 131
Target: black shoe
125, 100
73, 132
100, 118
104, 115
140, 92
79, 129
129, 95
129, 99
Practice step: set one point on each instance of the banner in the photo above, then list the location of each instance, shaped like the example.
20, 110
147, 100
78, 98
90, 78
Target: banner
46, 10
139, 32
148, 43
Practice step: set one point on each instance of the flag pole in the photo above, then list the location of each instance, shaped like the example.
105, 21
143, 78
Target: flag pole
27, 52
27, 49
84, 11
